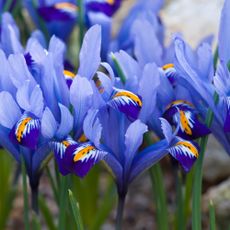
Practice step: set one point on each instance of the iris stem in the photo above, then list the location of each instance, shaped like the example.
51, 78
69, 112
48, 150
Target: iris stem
197, 184
120, 211
25, 194
180, 218
188, 195
81, 20
34, 199
159, 196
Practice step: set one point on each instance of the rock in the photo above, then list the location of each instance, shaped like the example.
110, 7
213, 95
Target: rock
220, 196
216, 162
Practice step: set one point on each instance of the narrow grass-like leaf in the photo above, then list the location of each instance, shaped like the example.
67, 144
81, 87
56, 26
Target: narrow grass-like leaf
159, 197
75, 211
180, 218
212, 218
53, 184
118, 69
35, 222
81, 20
197, 184
86, 192
105, 206
48, 216
63, 202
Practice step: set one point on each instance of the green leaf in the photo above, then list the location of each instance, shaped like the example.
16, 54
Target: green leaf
48, 216
159, 196
212, 218
75, 211
105, 206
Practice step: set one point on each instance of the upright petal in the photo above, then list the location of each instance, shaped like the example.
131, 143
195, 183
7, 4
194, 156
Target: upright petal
9, 110
90, 52
146, 45
48, 124
147, 90
66, 123
224, 34
133, 140
92, 127
81, 94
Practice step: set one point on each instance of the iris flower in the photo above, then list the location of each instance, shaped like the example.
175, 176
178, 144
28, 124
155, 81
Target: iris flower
206, 84
110, 119
61, 16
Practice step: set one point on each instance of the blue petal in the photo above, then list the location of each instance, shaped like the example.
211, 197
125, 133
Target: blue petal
130, 68
133, 140
104, 85
90, 52
92, 127
10, 37
106, 24
146, 45
66, 123
5, 81
81, 94
9, 110
167, 130
39, 156
30, 98
48, 124
147, 90
19, 71
148, 157
224, 34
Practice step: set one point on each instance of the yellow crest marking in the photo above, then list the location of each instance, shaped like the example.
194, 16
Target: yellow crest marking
82, 153
110, 2
130, 95
66, 143
190, 146
68, 73
178, 102
21, 128
185, 123
65, 5
167, 66
83, 138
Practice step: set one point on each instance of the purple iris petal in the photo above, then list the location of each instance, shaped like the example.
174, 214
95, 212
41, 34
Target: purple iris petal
84, 157
227, 120
185, 152
105, 7
53, 13
181, 113
26, 132
127, 103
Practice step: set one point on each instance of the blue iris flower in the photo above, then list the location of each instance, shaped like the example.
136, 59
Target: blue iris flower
109, 114
197, 73
61, 16
32, 79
